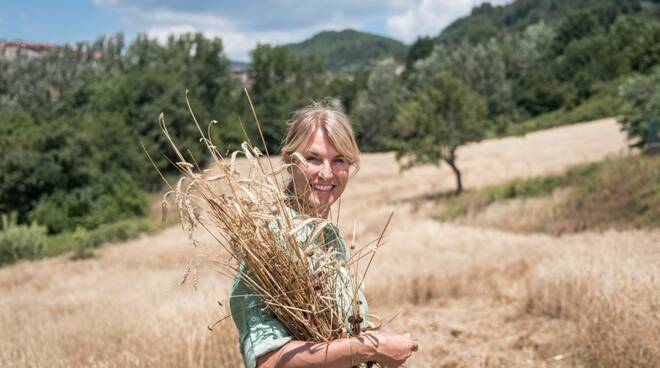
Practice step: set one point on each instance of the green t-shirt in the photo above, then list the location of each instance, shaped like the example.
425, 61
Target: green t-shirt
259, 331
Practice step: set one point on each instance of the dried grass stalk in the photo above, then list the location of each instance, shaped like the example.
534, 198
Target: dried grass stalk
248, 213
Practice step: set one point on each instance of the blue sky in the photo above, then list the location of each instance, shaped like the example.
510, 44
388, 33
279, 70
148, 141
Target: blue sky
240, 24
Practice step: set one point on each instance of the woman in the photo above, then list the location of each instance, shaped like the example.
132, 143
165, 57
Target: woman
325, 139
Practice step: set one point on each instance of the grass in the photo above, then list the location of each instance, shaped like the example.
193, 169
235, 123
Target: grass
476, 200
474, 296
615, 193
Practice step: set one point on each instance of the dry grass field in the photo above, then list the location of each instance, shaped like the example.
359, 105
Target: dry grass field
474, 296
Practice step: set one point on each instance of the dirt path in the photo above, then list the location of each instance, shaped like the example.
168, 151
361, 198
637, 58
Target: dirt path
460, 289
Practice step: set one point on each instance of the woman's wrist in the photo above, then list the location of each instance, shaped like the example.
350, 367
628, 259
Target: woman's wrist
364, 348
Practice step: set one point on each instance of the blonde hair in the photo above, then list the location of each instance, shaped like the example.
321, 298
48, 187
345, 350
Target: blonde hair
320, 115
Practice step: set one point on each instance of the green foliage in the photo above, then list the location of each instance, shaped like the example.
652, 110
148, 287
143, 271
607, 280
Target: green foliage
377, 106
71, 124
486, 20
420, 49
641, 105
20, 241
542, 57
82, 242
348, 49
481, 66
64, 173
345, 87
436, 121
108, 200
605, 102
283, 82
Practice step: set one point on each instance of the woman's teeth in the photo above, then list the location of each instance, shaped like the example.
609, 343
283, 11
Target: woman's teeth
323, 188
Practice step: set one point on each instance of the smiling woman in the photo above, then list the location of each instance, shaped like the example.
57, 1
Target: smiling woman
320, 148
321, 145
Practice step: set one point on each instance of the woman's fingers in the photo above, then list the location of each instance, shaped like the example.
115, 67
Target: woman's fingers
415, 345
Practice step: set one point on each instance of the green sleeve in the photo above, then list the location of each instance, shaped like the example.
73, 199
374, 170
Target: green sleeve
259, 331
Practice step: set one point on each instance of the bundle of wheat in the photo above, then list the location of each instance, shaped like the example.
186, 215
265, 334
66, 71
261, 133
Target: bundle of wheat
300, 279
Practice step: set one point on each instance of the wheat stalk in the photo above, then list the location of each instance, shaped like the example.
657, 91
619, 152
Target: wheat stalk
250, 217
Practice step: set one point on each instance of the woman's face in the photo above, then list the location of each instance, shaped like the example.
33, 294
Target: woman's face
320, 181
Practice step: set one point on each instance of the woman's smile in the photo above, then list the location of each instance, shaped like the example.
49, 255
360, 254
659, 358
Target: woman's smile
320, 180
323, 188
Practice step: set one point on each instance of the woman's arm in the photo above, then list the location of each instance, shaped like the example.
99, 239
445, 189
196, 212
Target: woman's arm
392, 350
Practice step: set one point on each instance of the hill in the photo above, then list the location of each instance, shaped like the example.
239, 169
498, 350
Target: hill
466, 292
349, 49
486, 20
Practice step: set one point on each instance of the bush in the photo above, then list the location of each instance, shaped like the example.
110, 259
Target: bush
109, 200
641, 105
604, 103
625, 192
83, 242
20, 241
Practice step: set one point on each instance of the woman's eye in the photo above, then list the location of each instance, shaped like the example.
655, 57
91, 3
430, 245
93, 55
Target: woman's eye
313, 160
340, 161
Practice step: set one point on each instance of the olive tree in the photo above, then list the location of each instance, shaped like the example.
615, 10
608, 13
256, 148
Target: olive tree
436, 121
377, 106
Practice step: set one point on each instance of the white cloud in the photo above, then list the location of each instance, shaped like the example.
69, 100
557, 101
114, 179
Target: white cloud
429, 17
236, 41
243, 24
237, 37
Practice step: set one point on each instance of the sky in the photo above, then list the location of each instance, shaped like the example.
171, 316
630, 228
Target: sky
240, 24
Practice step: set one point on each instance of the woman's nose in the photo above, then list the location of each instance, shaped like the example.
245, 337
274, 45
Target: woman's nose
326, 170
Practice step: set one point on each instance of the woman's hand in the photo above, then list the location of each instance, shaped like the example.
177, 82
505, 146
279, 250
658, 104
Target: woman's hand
386, 348
392, 350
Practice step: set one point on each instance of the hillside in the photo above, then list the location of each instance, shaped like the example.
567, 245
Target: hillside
473, 296
487, 21
349, 48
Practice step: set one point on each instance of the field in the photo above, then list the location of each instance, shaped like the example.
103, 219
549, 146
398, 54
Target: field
473, 296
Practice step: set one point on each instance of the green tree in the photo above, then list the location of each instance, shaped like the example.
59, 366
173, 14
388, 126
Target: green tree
574, 27
377, 106
283, 82
420, 49
345, 86
436, 121
481, 66
641, 105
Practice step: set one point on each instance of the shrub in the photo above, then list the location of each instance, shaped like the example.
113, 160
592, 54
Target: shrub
83, 242
110, 200
20, 241
641, 105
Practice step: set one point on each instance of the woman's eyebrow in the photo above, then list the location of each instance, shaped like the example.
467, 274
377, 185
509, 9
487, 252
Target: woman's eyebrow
314, 153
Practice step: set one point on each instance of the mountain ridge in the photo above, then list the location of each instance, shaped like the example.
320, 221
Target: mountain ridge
349, 48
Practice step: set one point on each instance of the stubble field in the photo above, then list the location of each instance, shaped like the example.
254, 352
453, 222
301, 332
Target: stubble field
473, 296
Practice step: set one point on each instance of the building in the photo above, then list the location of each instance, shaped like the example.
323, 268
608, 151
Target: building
9, 50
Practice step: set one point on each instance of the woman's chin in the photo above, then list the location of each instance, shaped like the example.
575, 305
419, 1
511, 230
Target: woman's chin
323, 199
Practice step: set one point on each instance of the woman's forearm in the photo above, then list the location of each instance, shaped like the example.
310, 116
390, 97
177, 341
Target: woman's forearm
340, 353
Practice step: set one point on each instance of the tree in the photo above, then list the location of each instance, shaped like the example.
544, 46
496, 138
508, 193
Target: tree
377, 107
345, 86
641, 105
420, 49
436, 121
481, 66
283, 82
